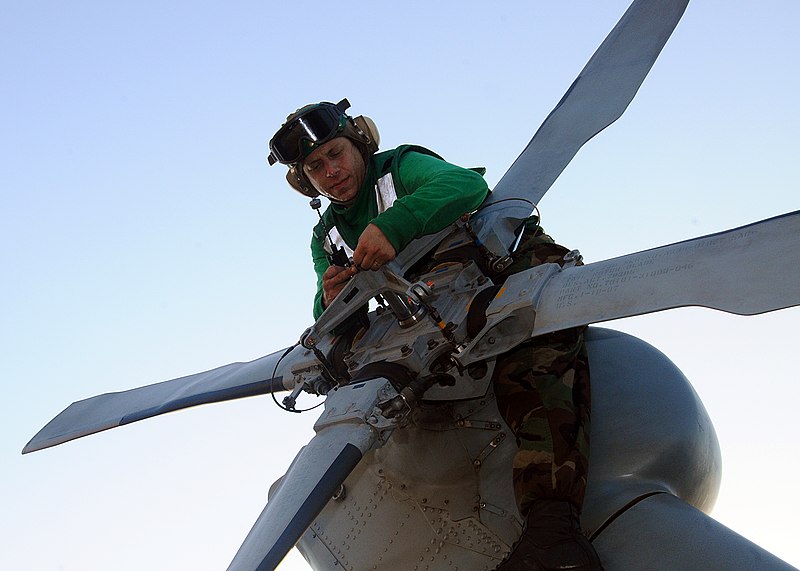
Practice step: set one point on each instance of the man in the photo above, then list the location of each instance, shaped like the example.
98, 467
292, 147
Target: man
382, 201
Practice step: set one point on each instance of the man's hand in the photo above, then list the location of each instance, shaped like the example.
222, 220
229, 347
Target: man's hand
333, 281
373, 249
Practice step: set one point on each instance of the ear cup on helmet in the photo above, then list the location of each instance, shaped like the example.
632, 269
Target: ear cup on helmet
361, 130
298, 181
370, 130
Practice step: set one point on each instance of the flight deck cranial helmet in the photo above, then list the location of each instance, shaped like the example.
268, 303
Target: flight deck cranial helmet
311, 126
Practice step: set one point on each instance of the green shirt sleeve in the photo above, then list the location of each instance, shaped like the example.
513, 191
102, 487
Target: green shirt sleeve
438, 193
431, 193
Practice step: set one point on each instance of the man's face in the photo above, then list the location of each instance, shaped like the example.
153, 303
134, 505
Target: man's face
336, 169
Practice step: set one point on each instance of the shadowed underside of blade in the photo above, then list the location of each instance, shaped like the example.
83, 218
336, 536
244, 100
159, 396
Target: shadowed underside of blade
343, 437
597, 97
234, 381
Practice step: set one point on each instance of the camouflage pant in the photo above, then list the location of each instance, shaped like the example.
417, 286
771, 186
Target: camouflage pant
542, 390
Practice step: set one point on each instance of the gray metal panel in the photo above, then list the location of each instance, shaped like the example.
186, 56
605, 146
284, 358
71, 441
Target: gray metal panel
422, 498
438, 495
650, 431
663, 533
233, 381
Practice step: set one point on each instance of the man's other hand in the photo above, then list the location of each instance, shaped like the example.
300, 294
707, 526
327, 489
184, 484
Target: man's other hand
373, 249
333, 281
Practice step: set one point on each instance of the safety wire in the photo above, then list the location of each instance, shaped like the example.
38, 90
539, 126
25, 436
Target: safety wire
272, 389
484, 250
484, 206
522, 230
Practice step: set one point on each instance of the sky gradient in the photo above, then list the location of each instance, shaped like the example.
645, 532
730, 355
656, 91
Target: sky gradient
144, 237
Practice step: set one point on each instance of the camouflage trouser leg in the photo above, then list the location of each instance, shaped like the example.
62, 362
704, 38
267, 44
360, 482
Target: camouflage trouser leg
542, 390
543, 394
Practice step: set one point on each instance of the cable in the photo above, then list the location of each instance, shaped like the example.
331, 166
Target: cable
272, 390
488, 204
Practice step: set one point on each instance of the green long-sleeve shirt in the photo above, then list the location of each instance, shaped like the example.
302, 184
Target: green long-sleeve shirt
431, 193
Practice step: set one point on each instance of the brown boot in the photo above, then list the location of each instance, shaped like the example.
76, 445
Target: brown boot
552, 540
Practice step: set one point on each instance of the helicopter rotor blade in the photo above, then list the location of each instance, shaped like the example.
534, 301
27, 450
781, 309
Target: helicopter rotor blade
597, 98
344, 435
746, 271
110, 410
749, 270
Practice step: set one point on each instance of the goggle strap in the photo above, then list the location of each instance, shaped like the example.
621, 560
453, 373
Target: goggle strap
273, 158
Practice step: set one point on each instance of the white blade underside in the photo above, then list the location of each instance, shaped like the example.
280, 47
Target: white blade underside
748, 270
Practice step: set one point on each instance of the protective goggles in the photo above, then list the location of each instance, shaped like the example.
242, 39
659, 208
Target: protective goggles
303, 133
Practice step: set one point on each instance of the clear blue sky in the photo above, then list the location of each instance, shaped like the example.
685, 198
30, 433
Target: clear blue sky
145, 238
